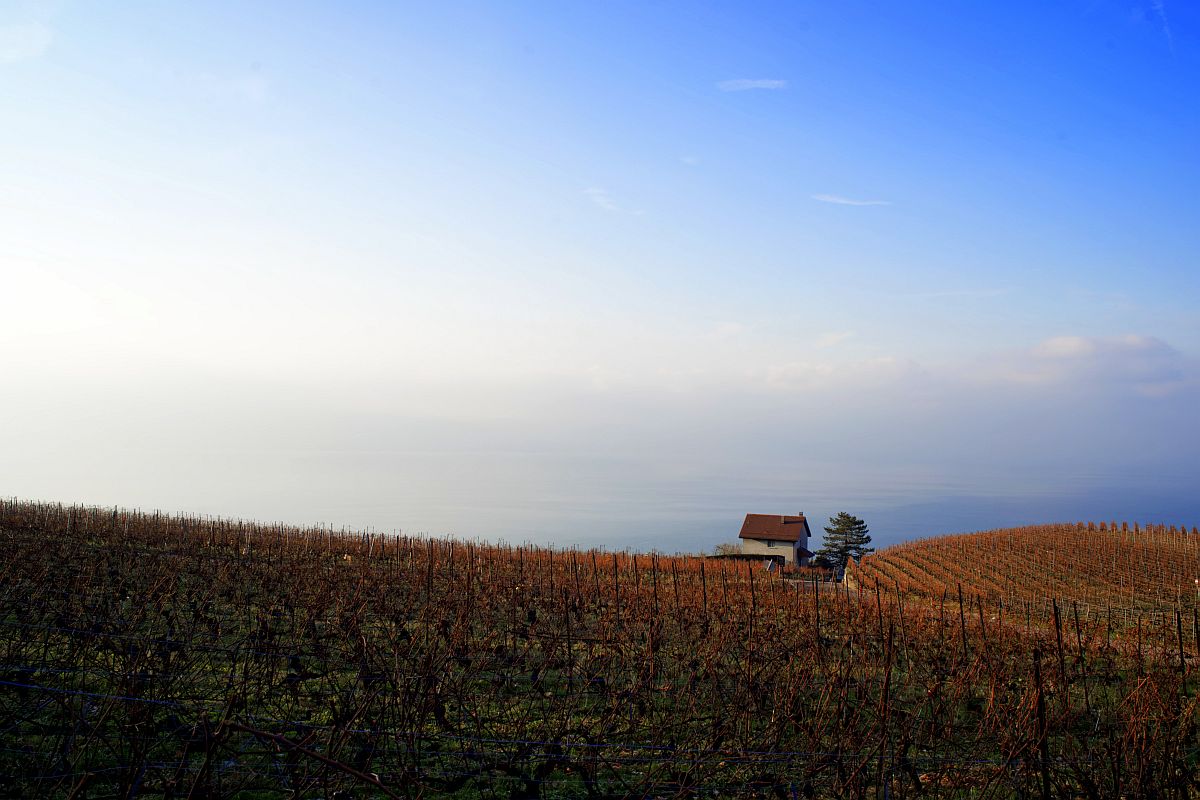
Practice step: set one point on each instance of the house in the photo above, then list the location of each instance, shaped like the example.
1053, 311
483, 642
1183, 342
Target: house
777, 535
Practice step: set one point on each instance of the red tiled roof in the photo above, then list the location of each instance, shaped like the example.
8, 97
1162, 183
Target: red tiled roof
774, 526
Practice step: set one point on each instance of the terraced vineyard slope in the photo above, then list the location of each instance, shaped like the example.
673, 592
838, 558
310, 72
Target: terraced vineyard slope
1123, 569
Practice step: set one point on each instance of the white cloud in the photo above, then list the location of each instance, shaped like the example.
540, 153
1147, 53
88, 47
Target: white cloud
604, 200
808, 376
601, 198
1065, 347
1069, 364
746, 84
728, 330
24, 41
833, 338
1076, 347
837, 199
691, 161
250, 87
1143, 364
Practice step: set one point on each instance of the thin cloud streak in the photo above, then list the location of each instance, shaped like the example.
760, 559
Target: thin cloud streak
250, 88
24, 41
833, 338
1161, 11
838, 200
968, 293
601, 198
604, 200
747, 84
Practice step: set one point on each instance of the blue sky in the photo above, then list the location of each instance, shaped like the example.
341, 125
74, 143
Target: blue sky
602, 273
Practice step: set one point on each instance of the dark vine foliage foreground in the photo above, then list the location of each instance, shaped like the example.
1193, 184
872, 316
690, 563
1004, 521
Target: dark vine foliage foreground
144, 655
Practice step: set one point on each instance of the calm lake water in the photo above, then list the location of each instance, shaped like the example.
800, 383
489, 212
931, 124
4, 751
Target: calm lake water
594, 503
660, 501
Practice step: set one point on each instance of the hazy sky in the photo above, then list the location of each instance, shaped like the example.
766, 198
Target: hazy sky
603, 273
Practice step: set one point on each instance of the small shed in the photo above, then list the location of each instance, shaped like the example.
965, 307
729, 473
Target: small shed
777, 535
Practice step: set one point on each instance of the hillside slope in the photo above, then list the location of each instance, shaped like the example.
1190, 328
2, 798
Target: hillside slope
174, 656
1099, 566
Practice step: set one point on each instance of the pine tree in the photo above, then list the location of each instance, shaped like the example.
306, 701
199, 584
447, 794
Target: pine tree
846, 537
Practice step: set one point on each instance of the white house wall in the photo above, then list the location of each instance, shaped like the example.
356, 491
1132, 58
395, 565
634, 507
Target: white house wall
759, 547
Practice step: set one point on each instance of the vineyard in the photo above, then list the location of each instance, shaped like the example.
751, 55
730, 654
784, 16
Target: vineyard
177, 657
1132, 572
